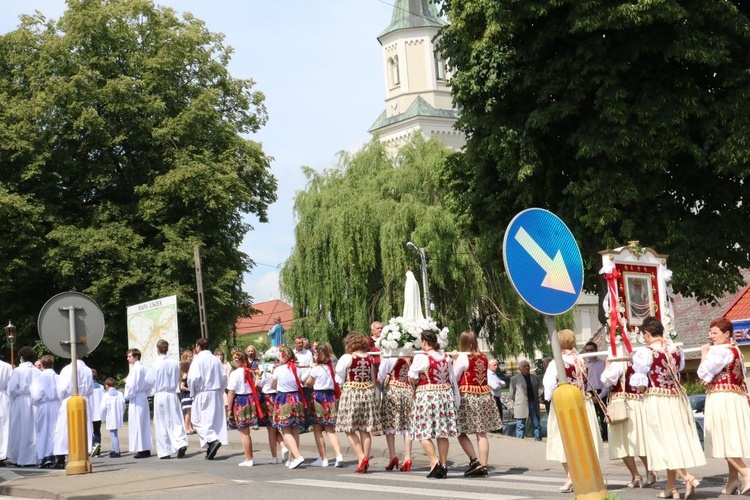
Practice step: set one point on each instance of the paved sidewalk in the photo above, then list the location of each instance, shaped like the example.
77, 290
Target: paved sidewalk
507, 455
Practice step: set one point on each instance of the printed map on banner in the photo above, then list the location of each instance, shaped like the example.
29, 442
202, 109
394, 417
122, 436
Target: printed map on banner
150, 322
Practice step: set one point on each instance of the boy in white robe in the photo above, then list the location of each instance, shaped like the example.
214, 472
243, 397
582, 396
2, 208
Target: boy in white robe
22, 442
96, 411
64, 391
47, 403
169, 426
137, 390
113, 413
207, 381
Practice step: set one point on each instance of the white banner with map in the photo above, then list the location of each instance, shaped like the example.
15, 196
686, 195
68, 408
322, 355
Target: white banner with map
150, 322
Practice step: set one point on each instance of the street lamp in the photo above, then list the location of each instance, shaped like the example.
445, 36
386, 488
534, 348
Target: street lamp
10, 334
423, 267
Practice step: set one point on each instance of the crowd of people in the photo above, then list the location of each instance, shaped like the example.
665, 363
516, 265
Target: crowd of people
659, 427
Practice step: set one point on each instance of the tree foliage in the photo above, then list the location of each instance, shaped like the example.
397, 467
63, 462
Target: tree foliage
628, 119
348, 265
121, 148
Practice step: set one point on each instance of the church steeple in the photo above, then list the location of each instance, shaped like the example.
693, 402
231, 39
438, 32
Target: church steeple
413, 14
417, 96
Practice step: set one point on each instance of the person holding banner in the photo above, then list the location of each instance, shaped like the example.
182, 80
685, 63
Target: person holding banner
324, 404
727, 415
575, 372
671, 438
398, 400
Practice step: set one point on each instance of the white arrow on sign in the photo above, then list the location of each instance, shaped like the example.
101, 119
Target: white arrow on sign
557, 277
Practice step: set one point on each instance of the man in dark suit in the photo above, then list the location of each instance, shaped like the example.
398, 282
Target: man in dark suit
524, 392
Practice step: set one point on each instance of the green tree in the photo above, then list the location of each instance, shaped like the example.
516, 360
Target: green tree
121, 148
628, 119
349, 261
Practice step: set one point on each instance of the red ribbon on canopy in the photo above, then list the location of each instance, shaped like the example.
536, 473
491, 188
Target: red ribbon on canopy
614, 317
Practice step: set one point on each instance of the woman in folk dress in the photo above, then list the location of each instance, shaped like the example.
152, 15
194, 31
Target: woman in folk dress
324, 403
627, 439
433, 415
289, 407
575, 371
477, 412
727, 414
358, 413
671, 438
398, 400
267, 399
244, 406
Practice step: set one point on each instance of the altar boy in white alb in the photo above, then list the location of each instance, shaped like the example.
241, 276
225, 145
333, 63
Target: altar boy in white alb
207, 381
137, 390
47, 403
5, 371
64, 392
22, 443
169, 427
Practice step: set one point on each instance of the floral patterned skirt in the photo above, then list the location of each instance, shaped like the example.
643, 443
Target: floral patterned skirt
243, 412
357, 410
397, 406
288, 410
324, 408
434, 414
267, 402
478, 413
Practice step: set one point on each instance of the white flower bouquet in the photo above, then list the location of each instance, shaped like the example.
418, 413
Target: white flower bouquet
271, 355
400, 333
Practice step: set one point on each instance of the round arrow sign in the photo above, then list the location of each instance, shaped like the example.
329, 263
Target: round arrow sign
543, 261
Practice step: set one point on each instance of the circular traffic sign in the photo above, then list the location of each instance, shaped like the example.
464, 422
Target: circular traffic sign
543, 261
54, 324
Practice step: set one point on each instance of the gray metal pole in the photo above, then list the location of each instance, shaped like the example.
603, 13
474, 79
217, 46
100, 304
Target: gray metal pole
426, 294
73, 346
556, 351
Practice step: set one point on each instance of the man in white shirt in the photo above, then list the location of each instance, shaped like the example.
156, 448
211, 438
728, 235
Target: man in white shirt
169, 427
496, 384
207, 381
64, 392
305, 363
137, 390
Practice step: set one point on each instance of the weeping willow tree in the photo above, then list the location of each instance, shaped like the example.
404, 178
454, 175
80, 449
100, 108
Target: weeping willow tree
349, 262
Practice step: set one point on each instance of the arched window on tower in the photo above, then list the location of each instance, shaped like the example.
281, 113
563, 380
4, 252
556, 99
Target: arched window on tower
393, 68
439, 66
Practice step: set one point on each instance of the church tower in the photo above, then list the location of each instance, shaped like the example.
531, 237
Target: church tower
417, 96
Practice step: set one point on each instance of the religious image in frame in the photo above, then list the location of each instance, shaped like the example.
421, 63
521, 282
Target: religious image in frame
639, 297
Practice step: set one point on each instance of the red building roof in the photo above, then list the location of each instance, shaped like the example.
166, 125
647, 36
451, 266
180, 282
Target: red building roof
263, 321
740, 308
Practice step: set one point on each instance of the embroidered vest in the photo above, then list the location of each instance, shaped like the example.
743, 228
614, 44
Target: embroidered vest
661, 380
474, 379
628, 391
436, 374
575, 371
360, 370
400, 374
730, 378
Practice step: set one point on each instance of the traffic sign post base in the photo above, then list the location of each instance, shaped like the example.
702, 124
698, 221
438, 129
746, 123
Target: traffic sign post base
78, 452
585, 471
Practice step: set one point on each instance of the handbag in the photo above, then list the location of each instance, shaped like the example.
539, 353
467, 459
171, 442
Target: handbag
618, 411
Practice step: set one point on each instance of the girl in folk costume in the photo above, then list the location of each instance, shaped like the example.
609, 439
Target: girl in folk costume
575, 371
289, 408
244, 408
477, 412
398, 400
324, 400
627, 439
434, 412
671, 439
727, 415
267, 399
355, 371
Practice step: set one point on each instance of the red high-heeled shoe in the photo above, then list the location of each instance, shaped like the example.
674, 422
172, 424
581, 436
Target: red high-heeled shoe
407, 466
364, 464
393, 464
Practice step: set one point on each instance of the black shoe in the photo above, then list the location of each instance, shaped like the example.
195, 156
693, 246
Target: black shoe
60, 463
213, 447
181, 452
143, 454
165, 458
473, 466
114, 454
435, 470
481, 472
47, 462
442, 473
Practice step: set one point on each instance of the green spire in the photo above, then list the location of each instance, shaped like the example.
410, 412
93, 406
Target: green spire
414, 14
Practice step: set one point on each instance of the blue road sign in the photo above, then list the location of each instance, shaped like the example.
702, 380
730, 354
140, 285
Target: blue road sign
543, 261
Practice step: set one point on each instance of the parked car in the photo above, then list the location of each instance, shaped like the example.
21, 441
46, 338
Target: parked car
698, 405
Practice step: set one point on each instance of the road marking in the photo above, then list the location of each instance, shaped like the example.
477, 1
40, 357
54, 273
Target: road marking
398, 489
557, 277
460, 481
242, 481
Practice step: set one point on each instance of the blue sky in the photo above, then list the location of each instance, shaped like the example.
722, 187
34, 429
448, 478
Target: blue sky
318, 62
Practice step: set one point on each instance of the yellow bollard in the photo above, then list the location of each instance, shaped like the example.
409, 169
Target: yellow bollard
78, 449
585, 471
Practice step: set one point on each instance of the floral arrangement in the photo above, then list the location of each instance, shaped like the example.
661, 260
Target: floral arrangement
271, 355
400, 332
